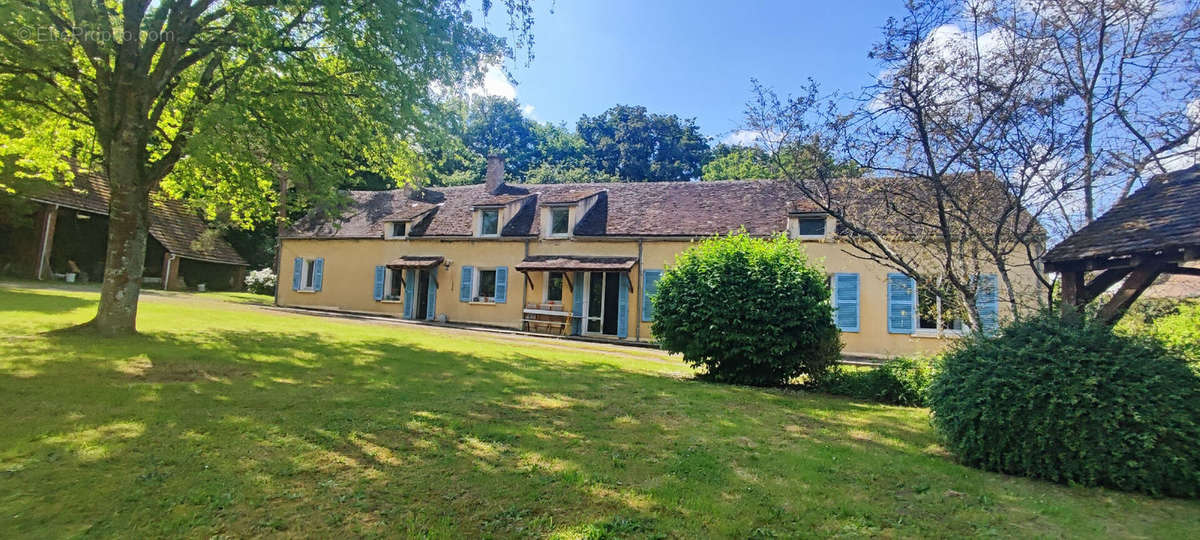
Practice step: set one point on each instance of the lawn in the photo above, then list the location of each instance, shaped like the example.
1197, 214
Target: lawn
230, 419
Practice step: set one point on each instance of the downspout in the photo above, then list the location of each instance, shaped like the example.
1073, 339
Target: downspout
167, 270
637, 317
524, 286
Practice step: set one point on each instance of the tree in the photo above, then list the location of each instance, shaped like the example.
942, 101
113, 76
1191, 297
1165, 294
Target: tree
749, 310
222, 99
496, 125
636, 146
960, 139
738, 163
1126, 72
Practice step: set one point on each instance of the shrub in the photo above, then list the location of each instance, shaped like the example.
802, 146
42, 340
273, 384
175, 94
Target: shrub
1179, 332
261, 281
899, 381
751, 311
1071, 401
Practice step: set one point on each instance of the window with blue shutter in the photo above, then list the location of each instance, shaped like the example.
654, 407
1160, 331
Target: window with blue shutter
623, 307
649, 287
380, 274
501, 284
901, 304
845, 302
410, 292
297, 272
577, 295
464, 286
987, 303
318, 273
431, 303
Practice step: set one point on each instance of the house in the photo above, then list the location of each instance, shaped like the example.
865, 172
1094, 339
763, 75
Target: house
578, 259
70, 235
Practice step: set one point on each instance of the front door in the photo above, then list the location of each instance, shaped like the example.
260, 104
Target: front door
600, 310
422, 305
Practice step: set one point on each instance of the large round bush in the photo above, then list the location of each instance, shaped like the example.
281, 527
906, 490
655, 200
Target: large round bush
1070, 401
751, 311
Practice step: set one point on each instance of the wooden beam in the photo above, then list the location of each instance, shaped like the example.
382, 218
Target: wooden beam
1101, 283
1072, 290
1183, 270
1134, 285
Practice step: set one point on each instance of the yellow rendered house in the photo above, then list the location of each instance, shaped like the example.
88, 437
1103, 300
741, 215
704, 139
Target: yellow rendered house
576, 259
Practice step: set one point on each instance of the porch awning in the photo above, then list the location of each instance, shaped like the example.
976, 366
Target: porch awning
409, 261
571, 263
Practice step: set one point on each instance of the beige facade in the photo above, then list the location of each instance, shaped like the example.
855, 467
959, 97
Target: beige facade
349, 267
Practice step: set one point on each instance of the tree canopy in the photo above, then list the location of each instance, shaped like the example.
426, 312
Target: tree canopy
220, 100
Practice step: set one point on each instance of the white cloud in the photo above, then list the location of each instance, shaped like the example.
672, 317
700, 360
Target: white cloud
495, 83
527, 110
742, 137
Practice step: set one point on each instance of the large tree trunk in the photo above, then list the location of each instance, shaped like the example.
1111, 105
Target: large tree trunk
128, 226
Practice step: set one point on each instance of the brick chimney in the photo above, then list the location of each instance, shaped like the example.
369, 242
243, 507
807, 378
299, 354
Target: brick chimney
494, 178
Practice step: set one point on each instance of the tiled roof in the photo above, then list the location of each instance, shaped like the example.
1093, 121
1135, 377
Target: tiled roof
622, 209
1163, 216
542, 263
176, 227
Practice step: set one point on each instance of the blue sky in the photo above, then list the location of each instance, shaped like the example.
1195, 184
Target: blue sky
691, 58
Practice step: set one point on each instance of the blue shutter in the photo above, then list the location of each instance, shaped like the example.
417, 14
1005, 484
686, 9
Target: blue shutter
501, 284
431, 303
464, 288
987, 303
577, 294
297, 272
649, 287
902, 304
318, 273
623, 307
845, 302
410, 289
380, 276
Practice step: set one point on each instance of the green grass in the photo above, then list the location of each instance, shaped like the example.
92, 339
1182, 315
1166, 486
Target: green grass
226, 419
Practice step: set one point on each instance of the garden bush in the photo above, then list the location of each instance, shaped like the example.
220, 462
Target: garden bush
1179, 332
899, 381
1069, 400
261, 281
750, 311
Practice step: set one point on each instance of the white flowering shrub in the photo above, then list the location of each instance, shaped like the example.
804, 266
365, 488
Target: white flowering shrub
261, 281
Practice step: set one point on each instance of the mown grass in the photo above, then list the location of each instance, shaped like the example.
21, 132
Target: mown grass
235, 420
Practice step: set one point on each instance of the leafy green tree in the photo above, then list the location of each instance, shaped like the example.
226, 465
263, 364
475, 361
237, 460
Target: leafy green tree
738, 163
222, 99
637, 146
496, 125
749, 310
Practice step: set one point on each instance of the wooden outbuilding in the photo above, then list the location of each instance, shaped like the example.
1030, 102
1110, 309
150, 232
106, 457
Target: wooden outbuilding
1151, 233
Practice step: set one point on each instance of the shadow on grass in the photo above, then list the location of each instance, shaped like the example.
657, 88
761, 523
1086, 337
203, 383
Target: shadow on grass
40, 303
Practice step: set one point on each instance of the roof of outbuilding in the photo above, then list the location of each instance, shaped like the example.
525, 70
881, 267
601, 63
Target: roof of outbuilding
177, 228
1164, 215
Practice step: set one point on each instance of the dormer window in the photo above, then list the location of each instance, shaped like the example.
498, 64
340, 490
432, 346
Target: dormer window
396, 229
489, 222
809, 227
560, 221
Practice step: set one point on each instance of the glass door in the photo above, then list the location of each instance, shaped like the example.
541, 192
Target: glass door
594, 310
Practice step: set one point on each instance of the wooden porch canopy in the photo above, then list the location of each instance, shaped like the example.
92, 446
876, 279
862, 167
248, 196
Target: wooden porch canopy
1150, 233
571, 263
409, 261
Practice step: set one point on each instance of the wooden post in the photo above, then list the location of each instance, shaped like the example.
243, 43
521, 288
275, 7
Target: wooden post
46, 240
1072, 291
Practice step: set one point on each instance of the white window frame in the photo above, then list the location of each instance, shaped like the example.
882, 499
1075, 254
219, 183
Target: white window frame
546, 289
389, 228
308, 275
941, 330
565, 233
389, 275
477, 281
483, 211
795, 225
